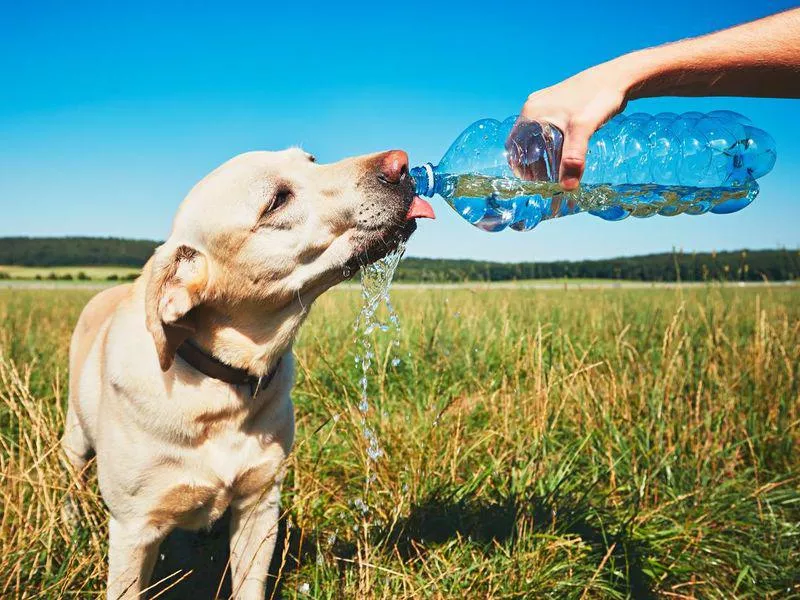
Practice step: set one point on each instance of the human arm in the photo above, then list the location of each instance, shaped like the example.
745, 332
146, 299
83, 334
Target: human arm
759, 59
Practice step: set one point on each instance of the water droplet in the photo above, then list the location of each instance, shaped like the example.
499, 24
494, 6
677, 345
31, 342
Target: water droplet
359, 504
374, 451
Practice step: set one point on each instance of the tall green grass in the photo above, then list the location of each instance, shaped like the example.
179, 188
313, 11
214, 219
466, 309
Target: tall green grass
538, 444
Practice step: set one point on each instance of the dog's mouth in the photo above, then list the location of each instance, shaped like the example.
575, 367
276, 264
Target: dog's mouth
373, 245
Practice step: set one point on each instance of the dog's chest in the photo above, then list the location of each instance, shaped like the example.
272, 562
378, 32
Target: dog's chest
231, 452
229, 467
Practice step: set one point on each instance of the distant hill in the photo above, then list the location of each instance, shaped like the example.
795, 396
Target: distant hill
741, 265
74, 251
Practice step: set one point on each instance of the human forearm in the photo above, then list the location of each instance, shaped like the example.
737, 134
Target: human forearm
761, 58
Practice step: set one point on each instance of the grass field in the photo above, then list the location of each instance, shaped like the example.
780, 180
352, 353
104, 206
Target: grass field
93, 273
538, 444
100, 274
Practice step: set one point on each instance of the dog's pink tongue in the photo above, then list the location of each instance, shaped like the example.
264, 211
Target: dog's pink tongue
420, 209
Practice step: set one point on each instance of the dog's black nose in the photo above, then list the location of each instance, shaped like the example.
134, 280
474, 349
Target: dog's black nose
393, 167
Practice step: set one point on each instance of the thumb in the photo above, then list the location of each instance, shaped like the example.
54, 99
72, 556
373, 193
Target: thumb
573, 156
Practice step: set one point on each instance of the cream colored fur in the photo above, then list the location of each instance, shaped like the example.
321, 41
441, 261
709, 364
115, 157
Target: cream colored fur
237, 275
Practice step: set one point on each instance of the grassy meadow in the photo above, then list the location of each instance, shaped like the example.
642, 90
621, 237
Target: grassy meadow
619, 443
90, 272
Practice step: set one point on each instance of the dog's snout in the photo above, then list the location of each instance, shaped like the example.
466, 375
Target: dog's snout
393, 167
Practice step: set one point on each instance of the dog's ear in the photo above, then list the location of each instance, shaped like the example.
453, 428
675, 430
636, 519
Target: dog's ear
177, 283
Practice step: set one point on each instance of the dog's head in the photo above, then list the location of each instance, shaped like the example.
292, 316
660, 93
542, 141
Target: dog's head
268, 232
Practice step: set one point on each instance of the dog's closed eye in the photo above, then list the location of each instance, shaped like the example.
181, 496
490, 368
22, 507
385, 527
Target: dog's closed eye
281, 196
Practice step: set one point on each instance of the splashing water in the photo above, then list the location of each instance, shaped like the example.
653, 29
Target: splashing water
376, 279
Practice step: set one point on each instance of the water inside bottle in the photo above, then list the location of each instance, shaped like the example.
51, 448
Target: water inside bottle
494, 203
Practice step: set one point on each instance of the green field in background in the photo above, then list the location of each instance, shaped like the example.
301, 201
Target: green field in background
93, 272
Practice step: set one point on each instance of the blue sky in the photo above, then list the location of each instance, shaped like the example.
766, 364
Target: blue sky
110, 112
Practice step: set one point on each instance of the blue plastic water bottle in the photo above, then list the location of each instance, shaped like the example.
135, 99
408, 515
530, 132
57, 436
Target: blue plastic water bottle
638, 165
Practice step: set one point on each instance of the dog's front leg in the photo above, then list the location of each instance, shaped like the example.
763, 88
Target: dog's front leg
131, 557
254, 528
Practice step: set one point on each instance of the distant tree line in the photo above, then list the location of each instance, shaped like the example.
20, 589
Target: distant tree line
742, 265
74, 251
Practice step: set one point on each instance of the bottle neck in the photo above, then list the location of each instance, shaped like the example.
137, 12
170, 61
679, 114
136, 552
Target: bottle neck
424, 179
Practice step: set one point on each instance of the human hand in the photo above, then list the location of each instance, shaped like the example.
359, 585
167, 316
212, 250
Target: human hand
578, 106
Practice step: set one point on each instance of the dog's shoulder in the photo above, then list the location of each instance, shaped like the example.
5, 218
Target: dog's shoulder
100, 308
95, 314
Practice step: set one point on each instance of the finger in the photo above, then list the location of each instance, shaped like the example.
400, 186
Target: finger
573, 156
517, 149
529, 147
514, 152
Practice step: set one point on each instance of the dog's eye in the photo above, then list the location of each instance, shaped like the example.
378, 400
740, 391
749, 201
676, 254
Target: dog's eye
282, 194
281, 197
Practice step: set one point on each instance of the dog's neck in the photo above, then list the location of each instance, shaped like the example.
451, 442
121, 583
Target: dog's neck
248, 338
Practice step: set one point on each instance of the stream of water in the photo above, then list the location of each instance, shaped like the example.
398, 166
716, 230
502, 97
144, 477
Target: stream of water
376, 279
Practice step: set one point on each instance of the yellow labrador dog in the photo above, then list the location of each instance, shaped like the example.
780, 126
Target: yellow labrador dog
179, 383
